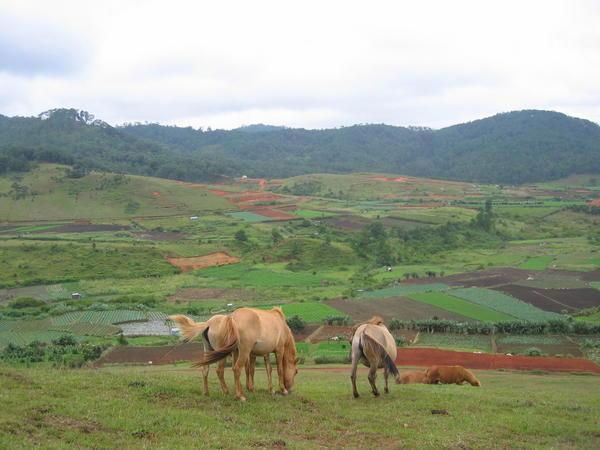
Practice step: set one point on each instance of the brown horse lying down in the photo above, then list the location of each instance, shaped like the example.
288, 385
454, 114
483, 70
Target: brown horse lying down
413, 376
450, 375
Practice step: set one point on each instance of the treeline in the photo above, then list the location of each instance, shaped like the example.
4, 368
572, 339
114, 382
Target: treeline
509, 148
488, 328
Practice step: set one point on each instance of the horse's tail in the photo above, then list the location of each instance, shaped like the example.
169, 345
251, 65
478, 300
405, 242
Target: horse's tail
231, 337
189, 328
375, 347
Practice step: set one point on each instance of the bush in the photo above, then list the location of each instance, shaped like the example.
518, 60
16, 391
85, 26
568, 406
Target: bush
296, 324
332, 359
65, 340
533, 351
26, 302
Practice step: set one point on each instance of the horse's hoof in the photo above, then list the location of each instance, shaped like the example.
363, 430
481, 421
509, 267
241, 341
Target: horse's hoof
387, 391
242, 399
376, 394
356, 395
284, 392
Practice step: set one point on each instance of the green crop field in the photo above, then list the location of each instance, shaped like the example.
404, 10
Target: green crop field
463, 307
27, 337
109, 408
504, 304
248, 216
537, 263
402, 290
310, 312
464, 342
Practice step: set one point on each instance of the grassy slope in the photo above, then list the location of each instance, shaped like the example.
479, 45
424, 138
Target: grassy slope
100, 195
165, 409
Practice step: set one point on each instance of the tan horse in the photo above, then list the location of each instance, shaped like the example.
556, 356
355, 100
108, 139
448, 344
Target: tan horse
374, 346
213, 338
247, 332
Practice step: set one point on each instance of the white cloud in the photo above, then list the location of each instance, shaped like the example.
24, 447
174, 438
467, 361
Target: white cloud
309, 63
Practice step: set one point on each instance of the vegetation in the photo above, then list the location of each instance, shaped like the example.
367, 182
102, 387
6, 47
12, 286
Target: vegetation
462, 307
118, 401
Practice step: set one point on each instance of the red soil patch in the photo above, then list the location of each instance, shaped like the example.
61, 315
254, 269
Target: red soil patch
595, 202
395, 180
251, 197
156, 194
220, 193
555, 300
273, 213
201, 262
326, 332
307, 331
428, 357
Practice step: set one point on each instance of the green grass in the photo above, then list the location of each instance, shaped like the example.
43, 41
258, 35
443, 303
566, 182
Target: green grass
163, 407
310, 312
248, 216
460, 342
102, 195
463, 307
402, 290
245, 275
310, 214
43, 263
537, 263
26, 337
503, 303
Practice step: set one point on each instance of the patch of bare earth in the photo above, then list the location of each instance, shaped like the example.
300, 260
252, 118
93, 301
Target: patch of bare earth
200, 262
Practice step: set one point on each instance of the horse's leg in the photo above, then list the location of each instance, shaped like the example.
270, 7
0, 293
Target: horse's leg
279, 358
221, 375
355, 359
386, 373
250, 367
205, 370
269, 370
372, 377
238, 365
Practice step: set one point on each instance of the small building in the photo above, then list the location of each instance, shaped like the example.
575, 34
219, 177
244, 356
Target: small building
193, 217
75, 295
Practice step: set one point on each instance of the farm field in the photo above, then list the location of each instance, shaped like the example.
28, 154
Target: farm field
555, 300
458, 306
455, 341
503, 303
403, 289
310, 312
392, 308
561, 411
547, 344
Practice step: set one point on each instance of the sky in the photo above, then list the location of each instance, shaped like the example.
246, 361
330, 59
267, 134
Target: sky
311, 64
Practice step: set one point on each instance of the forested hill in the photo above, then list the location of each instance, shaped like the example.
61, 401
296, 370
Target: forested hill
513, 148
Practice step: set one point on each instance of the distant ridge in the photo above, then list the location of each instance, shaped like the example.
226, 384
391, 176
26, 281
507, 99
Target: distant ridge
508, 148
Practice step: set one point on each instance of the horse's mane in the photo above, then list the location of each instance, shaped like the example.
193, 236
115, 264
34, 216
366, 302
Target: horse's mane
375, 320
279, 311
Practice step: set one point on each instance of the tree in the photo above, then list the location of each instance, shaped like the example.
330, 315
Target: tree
241, 236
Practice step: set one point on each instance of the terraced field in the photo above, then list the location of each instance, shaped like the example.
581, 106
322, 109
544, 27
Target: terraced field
459, 306
403, 290
310, 312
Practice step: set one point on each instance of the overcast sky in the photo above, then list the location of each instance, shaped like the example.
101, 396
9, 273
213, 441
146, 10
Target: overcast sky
300, 63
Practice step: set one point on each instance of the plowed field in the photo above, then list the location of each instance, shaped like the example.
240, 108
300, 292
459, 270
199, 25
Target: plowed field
200, 262
555, 300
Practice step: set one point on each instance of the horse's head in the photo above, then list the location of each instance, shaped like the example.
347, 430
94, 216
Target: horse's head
290, 364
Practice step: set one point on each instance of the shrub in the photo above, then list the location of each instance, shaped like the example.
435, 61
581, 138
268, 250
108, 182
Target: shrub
296, 324
332, 359
26, 302
65, 340
533, 351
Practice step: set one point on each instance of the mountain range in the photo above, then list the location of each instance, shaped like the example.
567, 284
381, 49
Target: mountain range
508, 148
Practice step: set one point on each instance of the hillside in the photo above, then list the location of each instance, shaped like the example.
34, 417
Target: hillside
48, 193
510, 148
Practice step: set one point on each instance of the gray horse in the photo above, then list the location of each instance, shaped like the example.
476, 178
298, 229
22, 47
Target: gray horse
375, 347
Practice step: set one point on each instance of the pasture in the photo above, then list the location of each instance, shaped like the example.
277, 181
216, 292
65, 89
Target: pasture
162, 407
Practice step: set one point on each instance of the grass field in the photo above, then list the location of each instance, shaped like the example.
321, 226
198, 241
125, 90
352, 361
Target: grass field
163, 407
403, 290
459, 306
53, 196
537, 263
310, 312
260, 277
